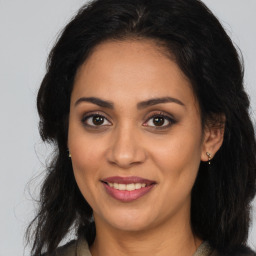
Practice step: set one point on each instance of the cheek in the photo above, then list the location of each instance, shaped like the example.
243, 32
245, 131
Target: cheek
85, 161
179, 164
85, 150
178, 158
179, 151
86, 156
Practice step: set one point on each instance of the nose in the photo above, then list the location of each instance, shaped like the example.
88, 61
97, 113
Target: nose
126, 149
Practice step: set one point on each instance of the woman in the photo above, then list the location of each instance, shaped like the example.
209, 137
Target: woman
155, 150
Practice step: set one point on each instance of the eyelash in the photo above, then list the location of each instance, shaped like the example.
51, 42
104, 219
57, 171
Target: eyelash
166, 117
86, 118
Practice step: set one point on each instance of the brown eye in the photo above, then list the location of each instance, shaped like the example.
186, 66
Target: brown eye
158, 121
98, 120
95, 120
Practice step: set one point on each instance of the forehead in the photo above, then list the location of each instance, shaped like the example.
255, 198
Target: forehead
138, 69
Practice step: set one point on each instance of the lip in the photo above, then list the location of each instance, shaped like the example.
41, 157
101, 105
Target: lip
124, 195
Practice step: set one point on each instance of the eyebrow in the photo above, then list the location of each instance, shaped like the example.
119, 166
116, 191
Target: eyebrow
96, 101
155, 101
140, 105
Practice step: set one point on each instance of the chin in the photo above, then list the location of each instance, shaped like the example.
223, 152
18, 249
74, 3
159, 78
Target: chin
131, 221
130, 226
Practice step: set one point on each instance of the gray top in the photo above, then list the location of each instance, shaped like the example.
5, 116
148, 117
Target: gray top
80, 248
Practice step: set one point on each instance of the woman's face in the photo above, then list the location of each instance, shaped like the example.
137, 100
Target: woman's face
135, 136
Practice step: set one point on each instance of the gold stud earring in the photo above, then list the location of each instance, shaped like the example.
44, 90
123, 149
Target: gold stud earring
209, 157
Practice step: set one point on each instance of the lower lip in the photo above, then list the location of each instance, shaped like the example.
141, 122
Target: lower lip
127, 196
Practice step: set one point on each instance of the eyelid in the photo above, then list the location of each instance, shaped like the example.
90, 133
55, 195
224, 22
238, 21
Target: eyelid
87, 115
162, 114
166, 116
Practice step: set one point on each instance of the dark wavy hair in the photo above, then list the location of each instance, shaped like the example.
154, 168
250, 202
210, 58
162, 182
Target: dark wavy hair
221, 196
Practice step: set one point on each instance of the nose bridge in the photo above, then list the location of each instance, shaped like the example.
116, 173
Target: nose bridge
126, 149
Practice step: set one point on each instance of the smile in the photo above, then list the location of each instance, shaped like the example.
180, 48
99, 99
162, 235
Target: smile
127, 189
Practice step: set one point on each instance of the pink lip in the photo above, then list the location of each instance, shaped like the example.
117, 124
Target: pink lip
124, 195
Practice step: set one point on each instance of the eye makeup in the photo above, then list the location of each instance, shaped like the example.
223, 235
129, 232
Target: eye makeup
95, 120
157, 120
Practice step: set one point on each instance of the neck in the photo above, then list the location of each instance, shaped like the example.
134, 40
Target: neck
172, 238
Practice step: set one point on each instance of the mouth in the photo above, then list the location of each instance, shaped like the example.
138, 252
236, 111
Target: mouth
127, 189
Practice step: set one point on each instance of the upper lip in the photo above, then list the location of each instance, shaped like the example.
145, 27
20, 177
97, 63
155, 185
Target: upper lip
128, 180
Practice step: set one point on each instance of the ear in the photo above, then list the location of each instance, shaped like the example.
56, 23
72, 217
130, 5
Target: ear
213, 138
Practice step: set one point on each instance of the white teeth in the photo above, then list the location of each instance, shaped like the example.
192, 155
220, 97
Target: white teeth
138, 186
121, 186
127, 187
130, 187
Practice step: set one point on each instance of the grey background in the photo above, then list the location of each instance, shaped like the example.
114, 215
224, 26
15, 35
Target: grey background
28, 29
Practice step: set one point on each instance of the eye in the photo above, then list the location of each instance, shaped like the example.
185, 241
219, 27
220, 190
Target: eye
159, 121
95, 120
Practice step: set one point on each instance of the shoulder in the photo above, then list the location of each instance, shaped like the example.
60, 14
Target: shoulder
68, 249
73, 248
242, 251
205, 249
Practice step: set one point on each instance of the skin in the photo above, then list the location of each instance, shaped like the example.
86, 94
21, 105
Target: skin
128, 143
